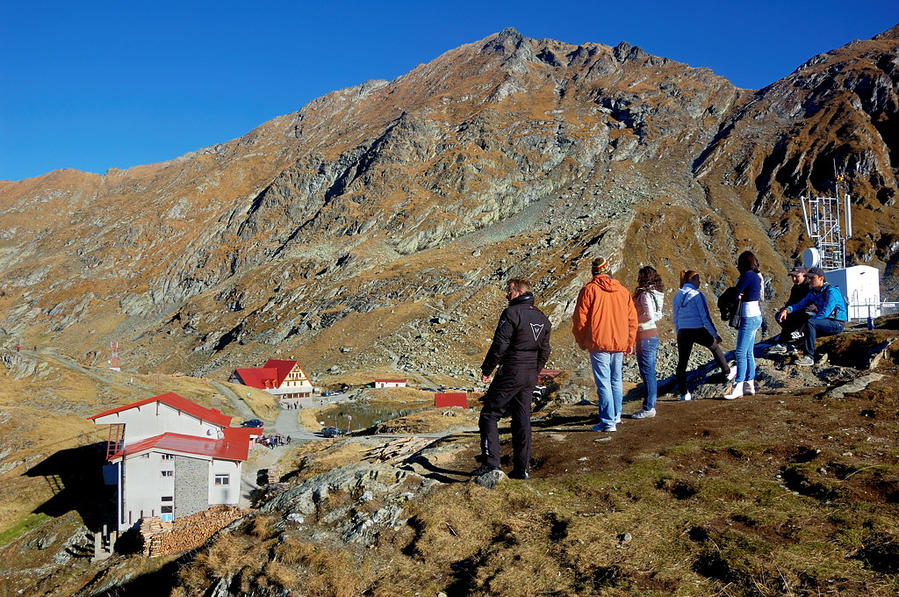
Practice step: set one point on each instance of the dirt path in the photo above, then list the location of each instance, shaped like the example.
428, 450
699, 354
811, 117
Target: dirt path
113, 378
235, 400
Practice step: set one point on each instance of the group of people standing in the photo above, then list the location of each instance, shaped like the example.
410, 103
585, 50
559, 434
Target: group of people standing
610, 322
693, 325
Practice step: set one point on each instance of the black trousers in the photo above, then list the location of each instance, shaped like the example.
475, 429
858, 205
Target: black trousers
511, 390
794, 321
686, 338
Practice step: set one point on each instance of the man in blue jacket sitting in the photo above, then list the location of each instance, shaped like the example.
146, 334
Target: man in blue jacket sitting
826, 308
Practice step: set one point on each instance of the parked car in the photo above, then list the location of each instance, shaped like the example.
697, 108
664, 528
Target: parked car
331, 432
252, 423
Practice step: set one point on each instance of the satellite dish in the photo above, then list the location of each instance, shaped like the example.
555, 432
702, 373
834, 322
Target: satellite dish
811, 257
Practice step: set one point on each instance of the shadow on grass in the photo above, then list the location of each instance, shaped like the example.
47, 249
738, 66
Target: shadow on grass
435, 472
75, 476
160, 582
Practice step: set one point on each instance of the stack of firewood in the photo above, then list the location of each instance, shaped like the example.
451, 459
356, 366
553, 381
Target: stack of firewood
163, 538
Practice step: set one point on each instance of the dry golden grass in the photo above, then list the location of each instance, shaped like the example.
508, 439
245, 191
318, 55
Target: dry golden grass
324, 571
309, 418
317, 457
263, 404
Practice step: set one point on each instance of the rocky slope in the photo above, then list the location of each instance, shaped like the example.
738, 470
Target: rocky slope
372, 229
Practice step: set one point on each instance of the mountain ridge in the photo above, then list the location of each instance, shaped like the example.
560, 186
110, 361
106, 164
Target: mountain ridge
391, 201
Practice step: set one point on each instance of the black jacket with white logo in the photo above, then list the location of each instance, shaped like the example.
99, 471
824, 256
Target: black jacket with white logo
521, 337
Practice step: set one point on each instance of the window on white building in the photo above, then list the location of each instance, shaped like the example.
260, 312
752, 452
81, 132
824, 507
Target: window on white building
168, 473
166, 509
166, 498
168, 456
222, 479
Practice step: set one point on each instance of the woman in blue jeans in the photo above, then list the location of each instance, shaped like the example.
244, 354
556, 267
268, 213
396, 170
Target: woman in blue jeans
750, 289
648, 300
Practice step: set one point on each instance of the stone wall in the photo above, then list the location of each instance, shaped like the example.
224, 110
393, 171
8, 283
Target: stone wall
162, 538
191, 486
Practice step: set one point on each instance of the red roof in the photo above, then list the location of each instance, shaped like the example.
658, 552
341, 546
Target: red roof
234, 446
261, 378
179, 403
390, 380
283, 368
446, 399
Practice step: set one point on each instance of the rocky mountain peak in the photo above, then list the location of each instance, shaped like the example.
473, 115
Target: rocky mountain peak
383, 217
505, 42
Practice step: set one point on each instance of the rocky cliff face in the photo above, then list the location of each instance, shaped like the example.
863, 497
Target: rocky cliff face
372, 229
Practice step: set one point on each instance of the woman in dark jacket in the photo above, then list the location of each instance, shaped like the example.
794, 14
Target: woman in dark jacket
750, 289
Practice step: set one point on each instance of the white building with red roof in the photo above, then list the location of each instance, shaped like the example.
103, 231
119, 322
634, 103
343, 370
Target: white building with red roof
286, 380
390, 383
173, 457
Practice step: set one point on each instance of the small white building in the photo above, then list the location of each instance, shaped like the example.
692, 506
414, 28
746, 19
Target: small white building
172, 457
860, 287
390, 383
286, 380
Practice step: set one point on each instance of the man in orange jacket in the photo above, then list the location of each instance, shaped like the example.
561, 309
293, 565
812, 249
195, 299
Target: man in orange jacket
605, 323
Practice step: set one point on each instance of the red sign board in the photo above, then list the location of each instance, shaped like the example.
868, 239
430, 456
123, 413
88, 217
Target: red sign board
445, 399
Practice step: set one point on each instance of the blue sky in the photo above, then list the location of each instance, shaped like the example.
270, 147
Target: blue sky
95, 85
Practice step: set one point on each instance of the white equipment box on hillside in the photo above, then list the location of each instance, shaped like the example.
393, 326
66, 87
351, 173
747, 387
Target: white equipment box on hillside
860, 287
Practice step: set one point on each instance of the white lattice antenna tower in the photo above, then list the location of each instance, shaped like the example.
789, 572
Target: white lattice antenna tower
114, 361
828, 222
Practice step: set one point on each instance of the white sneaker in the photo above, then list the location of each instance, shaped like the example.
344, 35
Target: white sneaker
644, 414
686, 397
735, 392
732, 373
749, 387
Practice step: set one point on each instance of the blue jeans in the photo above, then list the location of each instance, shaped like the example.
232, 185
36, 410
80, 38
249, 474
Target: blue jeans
820, 327
745, 352
607, 375
646, 361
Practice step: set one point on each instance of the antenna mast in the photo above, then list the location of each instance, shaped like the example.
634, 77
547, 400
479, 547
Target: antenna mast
827, 228
114, 361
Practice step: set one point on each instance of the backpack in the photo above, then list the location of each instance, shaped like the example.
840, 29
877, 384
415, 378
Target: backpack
728, 304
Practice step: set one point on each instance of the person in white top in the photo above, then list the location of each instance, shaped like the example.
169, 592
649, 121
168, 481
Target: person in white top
648, 300
750, 290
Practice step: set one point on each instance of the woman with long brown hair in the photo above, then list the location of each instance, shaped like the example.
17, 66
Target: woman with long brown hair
693, 325
648, 300
750, 289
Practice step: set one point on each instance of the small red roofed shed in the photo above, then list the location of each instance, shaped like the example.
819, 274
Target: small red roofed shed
447, 399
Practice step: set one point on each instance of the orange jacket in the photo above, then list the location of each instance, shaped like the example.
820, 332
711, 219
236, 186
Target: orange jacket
604, 319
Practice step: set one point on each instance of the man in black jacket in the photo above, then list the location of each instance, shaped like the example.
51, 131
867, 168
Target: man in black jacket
795, 322
520, 349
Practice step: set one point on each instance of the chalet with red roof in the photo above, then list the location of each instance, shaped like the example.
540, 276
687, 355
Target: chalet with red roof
286, 380
173, 457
